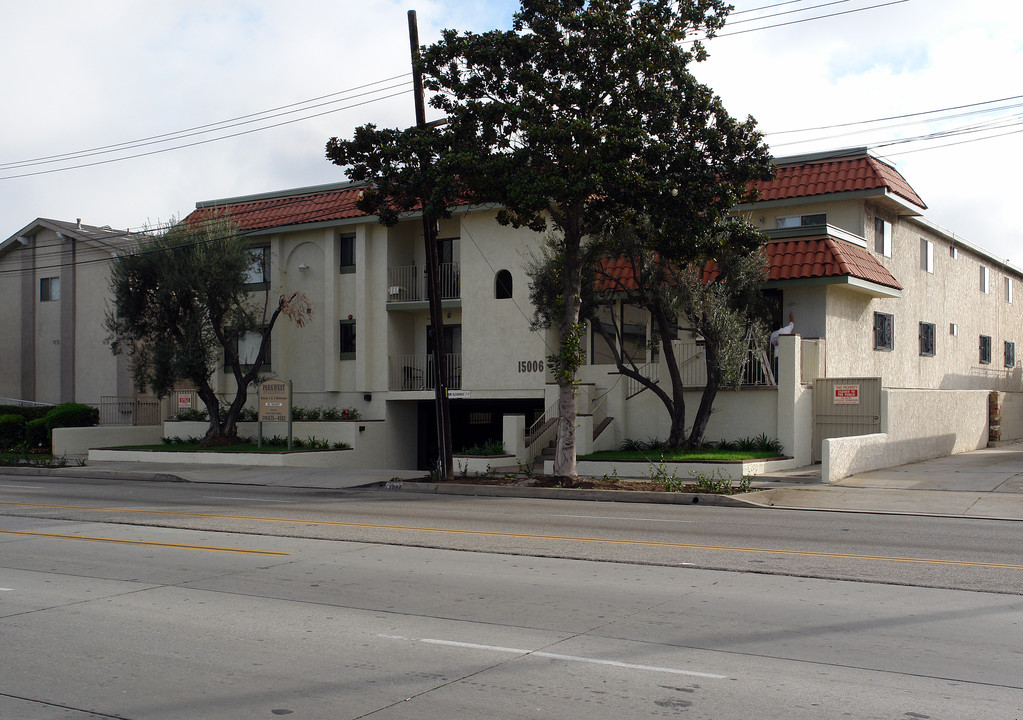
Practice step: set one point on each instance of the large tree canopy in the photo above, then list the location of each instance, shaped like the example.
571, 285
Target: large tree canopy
182, 301
584, 114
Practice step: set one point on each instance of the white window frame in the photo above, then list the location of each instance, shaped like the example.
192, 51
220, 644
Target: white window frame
985, 277
882, 237
49, 289
926, 255
1008, 290
793, 221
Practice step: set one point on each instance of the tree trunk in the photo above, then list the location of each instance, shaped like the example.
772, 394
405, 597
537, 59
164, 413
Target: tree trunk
710, 391
565, 455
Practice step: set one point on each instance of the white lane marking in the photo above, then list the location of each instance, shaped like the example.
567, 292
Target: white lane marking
558, 656
23, 487
6, 589
620, 517
225, 497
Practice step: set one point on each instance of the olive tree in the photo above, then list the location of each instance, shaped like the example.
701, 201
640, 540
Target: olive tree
180, 303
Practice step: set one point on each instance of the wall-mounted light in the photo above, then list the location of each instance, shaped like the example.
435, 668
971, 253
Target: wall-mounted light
303, 267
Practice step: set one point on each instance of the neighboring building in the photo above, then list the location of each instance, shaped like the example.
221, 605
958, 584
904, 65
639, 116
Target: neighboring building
53, 287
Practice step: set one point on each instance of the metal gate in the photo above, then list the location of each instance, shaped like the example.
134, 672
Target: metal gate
844, 407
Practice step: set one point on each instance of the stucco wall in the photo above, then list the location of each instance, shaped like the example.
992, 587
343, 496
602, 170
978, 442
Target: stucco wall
1012, 416
746, 413
922, 424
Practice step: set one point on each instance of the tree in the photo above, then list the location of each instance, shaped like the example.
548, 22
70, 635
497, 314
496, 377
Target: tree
182, 302
720, 300
584, 114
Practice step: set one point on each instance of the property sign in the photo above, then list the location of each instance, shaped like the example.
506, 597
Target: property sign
458, 393
274, 401
847, 395
184, 401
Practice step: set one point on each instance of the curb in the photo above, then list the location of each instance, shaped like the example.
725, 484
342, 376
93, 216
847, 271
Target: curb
635, 496
93, 474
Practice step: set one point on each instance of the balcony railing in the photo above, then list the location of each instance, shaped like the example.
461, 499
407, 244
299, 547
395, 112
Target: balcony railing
415, 372
407, 283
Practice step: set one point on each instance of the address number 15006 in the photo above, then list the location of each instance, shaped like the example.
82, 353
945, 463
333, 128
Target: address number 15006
527, 366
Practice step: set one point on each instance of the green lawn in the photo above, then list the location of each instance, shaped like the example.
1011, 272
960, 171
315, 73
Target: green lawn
709, 455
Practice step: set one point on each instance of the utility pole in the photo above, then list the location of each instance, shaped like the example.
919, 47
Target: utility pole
432, 275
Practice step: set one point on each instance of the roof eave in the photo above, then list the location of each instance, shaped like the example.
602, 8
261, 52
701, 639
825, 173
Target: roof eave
902, 205
859, 285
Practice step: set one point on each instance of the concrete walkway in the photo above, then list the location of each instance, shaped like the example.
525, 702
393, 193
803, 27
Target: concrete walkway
986, 483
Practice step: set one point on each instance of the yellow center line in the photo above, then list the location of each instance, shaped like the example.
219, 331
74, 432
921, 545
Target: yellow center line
532, 536
178, 546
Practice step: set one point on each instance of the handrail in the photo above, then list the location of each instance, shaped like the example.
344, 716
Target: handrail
541, 432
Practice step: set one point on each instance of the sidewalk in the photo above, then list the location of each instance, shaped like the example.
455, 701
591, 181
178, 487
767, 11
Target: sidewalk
985, 483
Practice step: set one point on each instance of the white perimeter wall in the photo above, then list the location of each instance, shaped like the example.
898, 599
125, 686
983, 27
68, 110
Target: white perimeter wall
921, 424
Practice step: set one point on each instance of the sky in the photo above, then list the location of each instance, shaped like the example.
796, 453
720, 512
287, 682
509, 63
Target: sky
114, 110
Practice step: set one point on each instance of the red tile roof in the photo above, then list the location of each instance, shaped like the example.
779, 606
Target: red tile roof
278, 211
825, 256
835, 175
815, 257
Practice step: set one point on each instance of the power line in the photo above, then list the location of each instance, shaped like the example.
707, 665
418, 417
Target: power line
208, 127
900, 117
203, 142
818, 17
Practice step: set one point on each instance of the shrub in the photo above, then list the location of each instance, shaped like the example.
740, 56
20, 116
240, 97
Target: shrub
29, 412
12, 430
72, 415
36, 433
192, 415
491, 447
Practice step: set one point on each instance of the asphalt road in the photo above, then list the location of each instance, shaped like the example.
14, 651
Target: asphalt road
150, 600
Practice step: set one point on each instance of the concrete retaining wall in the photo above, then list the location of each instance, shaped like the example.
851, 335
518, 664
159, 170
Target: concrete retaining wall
921, 424
76, 442
1012, 416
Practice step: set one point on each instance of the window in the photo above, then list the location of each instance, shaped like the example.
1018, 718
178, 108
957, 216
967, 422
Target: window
633, 345
793, 221
882, 237
49, 289
884, 331
1008, 290
927, 344
985, 349
926, 255
247, 347
346, 250
953, 252
258, 272
953, 329
503, 285
983, 279
347, 339
1010, 354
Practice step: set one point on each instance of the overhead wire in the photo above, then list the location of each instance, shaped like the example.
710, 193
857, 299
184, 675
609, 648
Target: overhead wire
209, 127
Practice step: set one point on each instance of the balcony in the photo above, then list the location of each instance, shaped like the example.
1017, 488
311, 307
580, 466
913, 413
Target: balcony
407, 283
415, 372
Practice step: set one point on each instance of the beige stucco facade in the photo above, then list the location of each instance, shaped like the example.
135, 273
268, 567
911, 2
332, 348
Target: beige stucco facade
53, 289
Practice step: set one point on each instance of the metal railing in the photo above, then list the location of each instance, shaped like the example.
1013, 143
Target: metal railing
23, 403
651, 371
415, 372
541, 432
128, 410
756, 365
407, 283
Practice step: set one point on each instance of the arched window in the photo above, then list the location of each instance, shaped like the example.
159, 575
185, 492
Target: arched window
503, 285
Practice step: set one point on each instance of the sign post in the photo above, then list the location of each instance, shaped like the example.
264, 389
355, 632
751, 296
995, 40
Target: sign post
274, 406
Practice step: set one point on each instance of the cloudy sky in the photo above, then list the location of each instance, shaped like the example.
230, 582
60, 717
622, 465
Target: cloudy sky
124, 113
